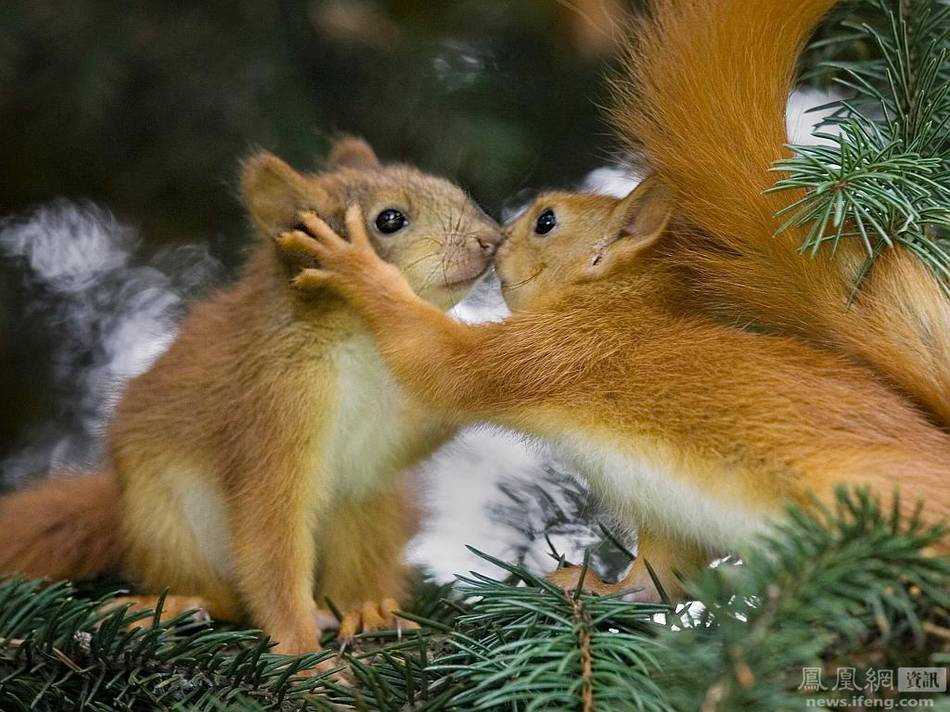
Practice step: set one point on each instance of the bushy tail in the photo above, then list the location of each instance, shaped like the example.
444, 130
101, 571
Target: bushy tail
63, 528
703, 98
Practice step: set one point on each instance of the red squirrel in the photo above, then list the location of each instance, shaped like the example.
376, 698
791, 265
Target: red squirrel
696, 431
260, 467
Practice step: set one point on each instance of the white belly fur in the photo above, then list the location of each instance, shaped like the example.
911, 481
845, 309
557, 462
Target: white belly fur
642, 489
206, 513
372, 432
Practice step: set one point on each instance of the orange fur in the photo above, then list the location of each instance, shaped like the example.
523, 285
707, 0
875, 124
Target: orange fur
264, 461
695, 431
62, 527
703, 98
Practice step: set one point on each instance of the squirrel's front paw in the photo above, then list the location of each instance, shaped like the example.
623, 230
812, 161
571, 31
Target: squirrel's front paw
636, 586
371, 617
568, 579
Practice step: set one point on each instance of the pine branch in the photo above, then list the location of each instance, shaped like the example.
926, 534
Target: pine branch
850, 585
532, 646
884, 176
830, 584
58, 652
553, 510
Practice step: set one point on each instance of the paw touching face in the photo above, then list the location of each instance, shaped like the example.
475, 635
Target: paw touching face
426, 226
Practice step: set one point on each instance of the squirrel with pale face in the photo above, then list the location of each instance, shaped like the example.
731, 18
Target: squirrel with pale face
263, 466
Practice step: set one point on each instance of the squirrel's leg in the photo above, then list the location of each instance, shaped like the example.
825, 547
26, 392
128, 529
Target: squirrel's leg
162, 550
172, 606
362, 550
668, 558
274, 557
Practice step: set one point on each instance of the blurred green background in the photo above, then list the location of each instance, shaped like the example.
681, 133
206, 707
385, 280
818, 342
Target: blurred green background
146, 109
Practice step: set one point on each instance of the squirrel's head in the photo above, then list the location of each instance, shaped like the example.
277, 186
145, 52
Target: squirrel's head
427, 226
564, 239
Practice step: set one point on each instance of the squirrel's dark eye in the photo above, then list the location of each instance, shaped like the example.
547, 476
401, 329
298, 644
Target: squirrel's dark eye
546, 222
390, 221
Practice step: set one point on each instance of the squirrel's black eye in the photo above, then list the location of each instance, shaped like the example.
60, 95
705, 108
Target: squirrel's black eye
390, 221
546, 222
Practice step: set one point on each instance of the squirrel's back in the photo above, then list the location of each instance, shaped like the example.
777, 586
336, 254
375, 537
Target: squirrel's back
703, 97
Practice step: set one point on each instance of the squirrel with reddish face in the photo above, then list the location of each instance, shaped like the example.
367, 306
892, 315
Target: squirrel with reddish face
695, 431
263, 465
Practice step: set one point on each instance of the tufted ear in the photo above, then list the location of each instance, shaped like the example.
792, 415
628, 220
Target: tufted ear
352, 152
273, 192
637, 222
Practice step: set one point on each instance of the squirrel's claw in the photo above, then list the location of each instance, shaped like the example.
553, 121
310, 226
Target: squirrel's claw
300, 242
322, 234
312, 279
371, 617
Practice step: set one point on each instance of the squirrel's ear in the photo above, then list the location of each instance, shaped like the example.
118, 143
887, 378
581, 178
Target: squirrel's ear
352, 152
638, 221
273, 192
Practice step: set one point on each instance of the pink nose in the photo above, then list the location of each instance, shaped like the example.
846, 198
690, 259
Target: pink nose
488, 247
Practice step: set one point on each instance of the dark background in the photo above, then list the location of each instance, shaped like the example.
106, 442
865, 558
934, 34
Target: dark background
146, 109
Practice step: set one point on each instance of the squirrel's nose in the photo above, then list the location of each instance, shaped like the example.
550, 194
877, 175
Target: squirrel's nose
488, 247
